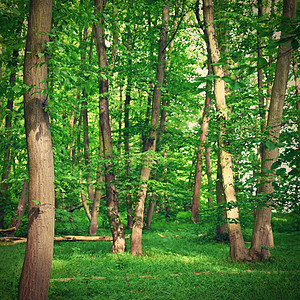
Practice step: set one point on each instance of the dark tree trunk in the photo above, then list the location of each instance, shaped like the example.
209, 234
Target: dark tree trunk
34, 281
201, 154
116, 226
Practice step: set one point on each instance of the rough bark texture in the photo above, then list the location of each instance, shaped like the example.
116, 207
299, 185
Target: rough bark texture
201, 154
34, 281
262, 237
116, 226
238, 250
136, 237
16, 220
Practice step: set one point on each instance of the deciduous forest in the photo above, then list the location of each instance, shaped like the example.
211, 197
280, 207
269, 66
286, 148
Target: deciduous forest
149, 149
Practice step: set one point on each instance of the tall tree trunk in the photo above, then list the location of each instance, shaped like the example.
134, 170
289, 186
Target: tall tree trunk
16, 220
34, 281
116, 226
6, 160
99, 186
262, 236
126, 145
84, 109
209, 177
238, 250
201, 153
136, 237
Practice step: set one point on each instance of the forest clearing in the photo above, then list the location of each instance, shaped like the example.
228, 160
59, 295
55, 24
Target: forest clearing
177, 264
149, 149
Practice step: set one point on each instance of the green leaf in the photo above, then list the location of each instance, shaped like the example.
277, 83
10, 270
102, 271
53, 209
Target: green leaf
270, 145
275, 165
16, 89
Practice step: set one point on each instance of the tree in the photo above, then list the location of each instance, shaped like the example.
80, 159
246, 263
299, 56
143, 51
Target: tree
238, 250
136, 237
262, 236
34, 281
116, 226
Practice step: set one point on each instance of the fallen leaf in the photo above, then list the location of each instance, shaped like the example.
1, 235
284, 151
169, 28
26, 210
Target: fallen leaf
161, 235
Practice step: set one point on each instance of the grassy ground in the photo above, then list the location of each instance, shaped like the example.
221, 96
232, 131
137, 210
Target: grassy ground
178, 264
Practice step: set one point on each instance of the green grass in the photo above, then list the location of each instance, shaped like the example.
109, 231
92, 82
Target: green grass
180, 265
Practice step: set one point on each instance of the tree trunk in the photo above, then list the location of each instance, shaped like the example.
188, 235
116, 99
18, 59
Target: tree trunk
209, 177
238, 250
84, 109
262, 236
34, 281
201, 153
116, 226
136, 237
16, 220
98, 194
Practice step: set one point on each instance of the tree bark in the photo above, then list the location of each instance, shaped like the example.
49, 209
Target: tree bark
116, 226
136, 237
238, 250
34, 281
201, 154
262, 236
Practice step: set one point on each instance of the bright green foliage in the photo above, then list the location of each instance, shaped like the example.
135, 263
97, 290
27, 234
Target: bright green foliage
137, 26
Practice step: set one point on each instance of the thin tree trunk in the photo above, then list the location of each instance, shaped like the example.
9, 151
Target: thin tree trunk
99, 186
16, 220
209, 176
136, 237
127, 154
85, 121
262, 236
238, 250
201, 153
35, 276
116, 226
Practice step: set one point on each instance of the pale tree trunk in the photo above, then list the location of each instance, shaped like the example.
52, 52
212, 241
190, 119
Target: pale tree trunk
34, 281
16, 220
238, 250
136, 236
262, 236
201, 154
116, 226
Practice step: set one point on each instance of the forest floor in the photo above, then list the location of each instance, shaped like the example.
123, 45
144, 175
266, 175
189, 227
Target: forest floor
179, 262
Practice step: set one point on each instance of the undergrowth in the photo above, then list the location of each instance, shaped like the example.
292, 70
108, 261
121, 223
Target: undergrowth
180, 261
